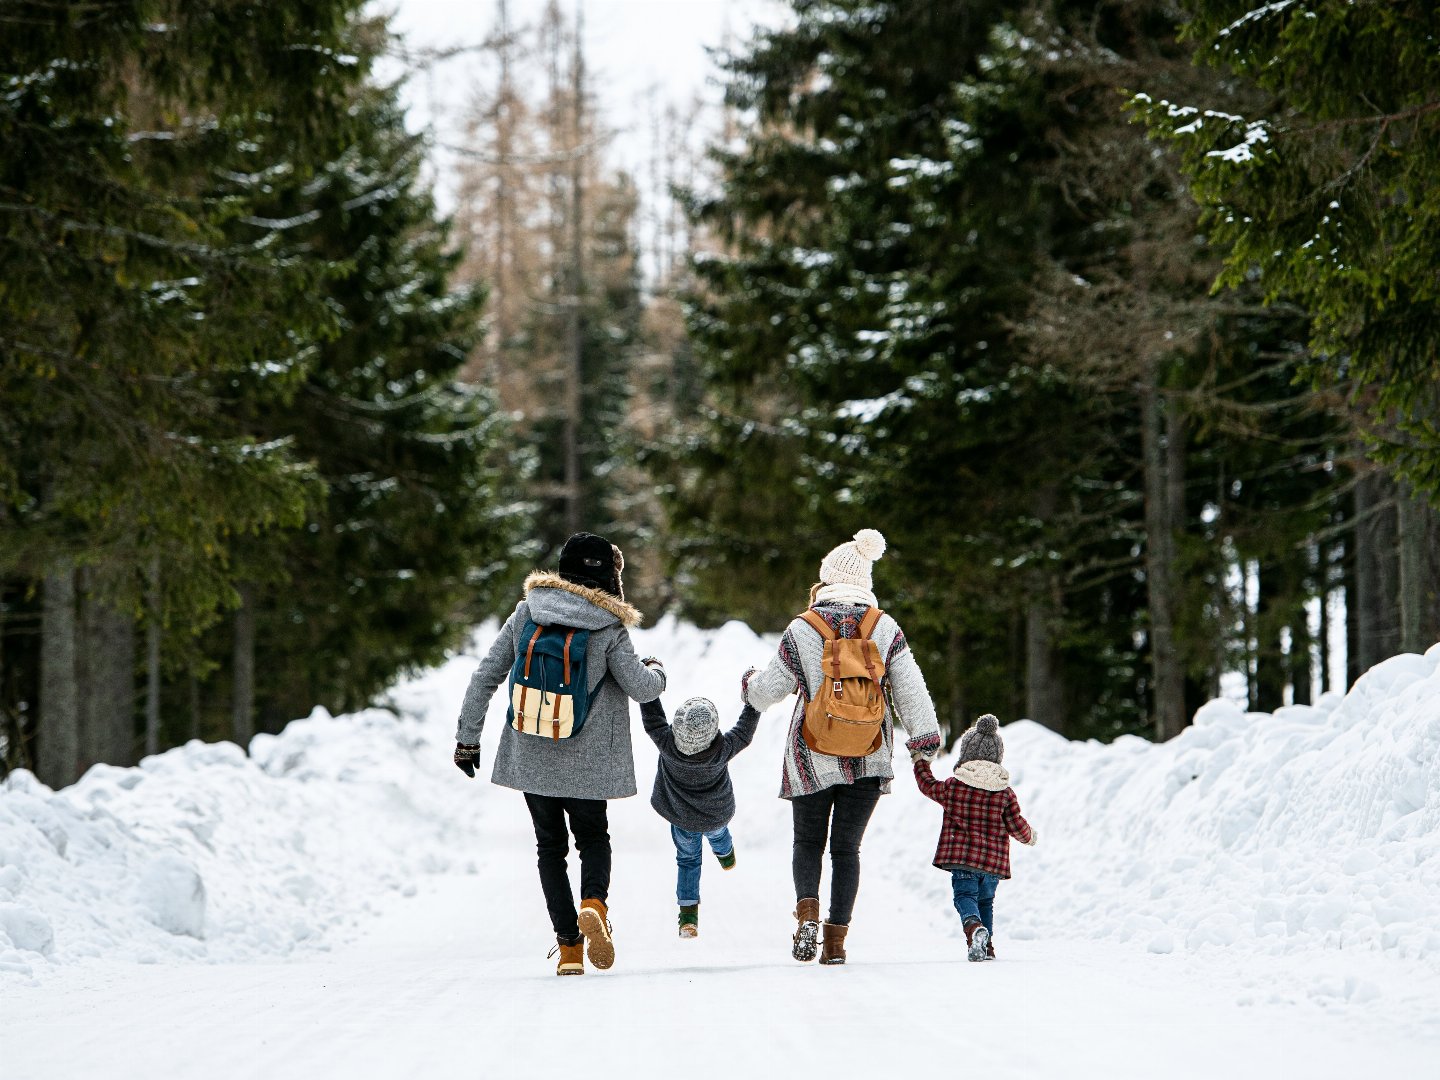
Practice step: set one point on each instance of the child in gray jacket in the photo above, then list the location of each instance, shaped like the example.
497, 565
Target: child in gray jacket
693, 791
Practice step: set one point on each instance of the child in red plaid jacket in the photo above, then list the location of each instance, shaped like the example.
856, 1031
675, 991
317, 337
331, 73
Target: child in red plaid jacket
981, 814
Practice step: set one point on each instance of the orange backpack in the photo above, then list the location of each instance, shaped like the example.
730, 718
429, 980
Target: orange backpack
846, 717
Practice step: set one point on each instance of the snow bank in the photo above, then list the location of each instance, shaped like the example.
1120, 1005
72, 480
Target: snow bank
1316, 827
203, 853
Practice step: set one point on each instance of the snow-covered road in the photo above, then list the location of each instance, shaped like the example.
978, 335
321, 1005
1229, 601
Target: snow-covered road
1254, 899
454, 982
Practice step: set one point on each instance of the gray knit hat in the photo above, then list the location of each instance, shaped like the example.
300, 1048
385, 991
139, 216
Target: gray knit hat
695, 725
981, 742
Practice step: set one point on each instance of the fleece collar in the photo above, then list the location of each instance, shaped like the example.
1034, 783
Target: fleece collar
985, 775
628, 614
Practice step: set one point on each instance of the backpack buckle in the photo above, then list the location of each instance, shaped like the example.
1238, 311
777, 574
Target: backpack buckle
837, 687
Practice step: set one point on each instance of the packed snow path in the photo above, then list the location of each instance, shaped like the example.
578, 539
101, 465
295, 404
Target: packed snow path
454, 982
439, 932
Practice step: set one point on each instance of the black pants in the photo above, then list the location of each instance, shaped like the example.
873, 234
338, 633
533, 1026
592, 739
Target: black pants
591, 827
842, 811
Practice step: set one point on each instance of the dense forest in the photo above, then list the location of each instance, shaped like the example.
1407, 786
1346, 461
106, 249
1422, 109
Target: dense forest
1118, 319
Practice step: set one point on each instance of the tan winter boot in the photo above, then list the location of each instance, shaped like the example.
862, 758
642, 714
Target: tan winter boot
807, 929
832, 949
595, 925
572, 958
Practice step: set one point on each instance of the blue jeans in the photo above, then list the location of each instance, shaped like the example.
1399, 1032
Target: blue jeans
688, 850
975, 896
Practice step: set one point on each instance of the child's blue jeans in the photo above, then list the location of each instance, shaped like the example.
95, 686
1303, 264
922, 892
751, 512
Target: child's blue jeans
688, 850
975, 896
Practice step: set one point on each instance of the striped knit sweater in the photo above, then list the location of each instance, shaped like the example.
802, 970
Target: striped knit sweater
796, 670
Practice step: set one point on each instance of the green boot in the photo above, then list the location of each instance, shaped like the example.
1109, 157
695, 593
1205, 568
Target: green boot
690, 921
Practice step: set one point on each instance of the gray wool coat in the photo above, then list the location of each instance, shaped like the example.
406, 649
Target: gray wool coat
598, 763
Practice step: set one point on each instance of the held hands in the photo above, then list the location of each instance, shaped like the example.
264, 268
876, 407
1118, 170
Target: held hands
467, 758
745, 685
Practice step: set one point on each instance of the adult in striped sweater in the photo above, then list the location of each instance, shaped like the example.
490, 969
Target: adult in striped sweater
833, 797
981, 815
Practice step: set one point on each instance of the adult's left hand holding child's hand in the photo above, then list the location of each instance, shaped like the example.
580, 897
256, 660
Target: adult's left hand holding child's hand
745, 685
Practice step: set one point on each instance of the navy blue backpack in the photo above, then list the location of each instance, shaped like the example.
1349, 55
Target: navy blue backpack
549, 692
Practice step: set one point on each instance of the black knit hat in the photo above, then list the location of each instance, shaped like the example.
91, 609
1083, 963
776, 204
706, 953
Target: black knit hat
592, 561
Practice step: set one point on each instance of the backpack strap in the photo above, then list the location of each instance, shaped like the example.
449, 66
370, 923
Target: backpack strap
817, 621
530, 649
868, 622
568, 638
529, 655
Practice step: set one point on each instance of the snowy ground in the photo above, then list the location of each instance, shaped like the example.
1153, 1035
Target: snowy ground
1255, 898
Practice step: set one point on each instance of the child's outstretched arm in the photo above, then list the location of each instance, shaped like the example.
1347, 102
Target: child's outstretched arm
925, 780
1019, 828
652, 715
739, 736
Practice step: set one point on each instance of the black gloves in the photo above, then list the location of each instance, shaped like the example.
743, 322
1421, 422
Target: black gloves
467, 758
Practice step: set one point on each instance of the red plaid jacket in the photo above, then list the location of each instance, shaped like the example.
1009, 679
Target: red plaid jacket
978, 824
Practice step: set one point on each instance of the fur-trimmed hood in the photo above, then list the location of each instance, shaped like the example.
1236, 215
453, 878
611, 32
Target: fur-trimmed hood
564, 610
985, 775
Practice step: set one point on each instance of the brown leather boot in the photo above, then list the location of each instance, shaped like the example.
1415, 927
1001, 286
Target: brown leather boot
832, 949
572, 957
595, 925
976, 938
807, 929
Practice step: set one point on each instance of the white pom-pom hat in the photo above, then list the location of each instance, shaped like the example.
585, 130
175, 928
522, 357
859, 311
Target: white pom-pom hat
850, 563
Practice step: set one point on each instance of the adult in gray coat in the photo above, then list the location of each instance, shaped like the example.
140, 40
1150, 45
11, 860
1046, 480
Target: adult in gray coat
569, 780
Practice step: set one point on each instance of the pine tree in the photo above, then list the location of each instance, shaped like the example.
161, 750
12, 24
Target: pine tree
964, 299
1321, 191
414, 535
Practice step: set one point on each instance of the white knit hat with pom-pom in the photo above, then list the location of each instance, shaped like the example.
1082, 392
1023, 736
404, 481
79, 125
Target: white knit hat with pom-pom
850, 563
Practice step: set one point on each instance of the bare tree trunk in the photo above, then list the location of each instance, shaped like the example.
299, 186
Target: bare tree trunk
1169, 695
574, 398
195, 725
1416, 587
57, 759
1325, 563
1376, 571
504, 256
106, 680
1044, 679
1302, 646
242, 702
1269, 657
959, 705
152, 661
